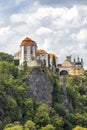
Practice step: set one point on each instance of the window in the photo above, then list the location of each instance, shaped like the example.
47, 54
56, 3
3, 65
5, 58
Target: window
31, 49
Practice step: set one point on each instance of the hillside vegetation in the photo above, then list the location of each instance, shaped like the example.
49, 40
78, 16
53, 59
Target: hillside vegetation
18, 111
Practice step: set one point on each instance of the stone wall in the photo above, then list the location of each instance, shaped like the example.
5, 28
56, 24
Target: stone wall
32, 63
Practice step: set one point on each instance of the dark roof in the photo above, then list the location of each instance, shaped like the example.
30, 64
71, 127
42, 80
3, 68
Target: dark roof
78, 63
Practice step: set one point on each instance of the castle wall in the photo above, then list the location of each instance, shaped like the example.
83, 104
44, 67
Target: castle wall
22, 55
28, 53
16, 57
34, 51
33, 63
42, 57
56, 61
51, 61
46, 58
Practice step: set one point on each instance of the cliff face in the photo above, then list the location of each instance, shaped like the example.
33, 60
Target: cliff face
66, 102
39, 86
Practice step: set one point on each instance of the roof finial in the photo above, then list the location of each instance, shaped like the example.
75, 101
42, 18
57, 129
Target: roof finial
74, 60
78, 59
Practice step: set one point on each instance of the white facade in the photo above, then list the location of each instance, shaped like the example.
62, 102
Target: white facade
22, 55
17, 56
53, 60
43, 58
56, 61
30, 54
27, 53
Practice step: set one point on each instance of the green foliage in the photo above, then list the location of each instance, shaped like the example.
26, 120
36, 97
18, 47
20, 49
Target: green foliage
42, 115
16, 62
79, 128
6, 57
48, 127
55, 119
13, 127
32, 57
15, 104
28, 111
29, 125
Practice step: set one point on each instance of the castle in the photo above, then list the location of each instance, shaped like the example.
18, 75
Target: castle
30, 54
34, 57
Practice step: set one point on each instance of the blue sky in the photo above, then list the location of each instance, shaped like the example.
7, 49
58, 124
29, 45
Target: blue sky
57, 26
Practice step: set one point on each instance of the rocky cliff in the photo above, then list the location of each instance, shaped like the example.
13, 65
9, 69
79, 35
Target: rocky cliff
39, 86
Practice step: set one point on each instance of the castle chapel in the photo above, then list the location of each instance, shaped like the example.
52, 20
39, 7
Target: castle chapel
30, 54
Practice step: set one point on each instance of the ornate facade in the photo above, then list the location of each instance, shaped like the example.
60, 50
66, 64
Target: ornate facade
71, 68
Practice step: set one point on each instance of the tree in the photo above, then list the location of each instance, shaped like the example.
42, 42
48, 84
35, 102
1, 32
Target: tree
56, 120
28, 110
48, 127
29, 125
79, 128
6, 57
42, 115
13, 127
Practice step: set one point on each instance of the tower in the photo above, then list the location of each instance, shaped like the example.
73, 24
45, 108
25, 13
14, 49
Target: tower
28, 50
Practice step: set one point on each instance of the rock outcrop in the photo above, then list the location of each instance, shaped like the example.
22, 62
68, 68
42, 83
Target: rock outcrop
66, 102
39, 86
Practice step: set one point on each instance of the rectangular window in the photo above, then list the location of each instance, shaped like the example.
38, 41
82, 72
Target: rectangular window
31, 49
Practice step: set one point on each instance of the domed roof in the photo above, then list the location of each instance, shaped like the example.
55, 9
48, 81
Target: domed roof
28, 41
42, 51
78, 63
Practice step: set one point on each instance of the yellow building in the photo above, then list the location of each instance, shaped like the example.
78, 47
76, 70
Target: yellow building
77, 68
71, 68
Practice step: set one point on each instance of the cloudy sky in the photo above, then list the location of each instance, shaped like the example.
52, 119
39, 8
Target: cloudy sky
58, 26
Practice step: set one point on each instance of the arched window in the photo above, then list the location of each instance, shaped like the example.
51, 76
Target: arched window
64, 72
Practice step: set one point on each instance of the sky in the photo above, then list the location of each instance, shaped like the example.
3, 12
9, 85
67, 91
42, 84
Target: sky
58, 26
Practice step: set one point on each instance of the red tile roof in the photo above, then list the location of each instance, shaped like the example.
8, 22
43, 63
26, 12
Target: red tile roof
52, 55
27, 41
42, 51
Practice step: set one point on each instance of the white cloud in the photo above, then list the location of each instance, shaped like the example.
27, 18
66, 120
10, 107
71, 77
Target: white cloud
19, 1
46, 44
5, 34
43, 30
80, 36
61, 30
71, 14
15, 18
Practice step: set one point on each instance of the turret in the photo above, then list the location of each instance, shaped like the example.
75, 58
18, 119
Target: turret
78, 59
82, 61
68, 58
74, 60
